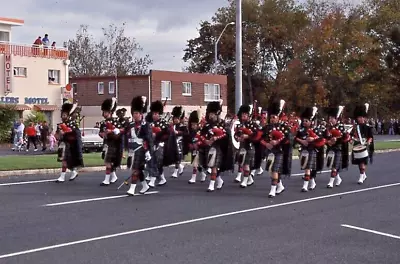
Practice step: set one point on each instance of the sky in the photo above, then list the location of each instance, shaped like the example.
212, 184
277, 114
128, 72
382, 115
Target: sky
161, 27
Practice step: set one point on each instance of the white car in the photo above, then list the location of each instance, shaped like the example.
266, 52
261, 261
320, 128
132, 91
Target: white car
91, 141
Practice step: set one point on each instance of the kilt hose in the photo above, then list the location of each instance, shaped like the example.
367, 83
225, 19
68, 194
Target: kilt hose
278, 161
312, 159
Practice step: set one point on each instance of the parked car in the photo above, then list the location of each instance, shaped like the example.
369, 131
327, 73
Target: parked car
91, 141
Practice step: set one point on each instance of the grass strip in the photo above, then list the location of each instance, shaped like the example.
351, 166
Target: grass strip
26, 162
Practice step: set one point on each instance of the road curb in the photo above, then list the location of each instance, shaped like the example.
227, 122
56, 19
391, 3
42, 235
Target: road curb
101, 168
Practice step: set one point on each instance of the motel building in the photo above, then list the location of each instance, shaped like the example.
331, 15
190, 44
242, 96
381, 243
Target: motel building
32, 78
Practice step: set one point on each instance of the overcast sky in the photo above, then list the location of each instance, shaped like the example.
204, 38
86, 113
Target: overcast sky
160, 26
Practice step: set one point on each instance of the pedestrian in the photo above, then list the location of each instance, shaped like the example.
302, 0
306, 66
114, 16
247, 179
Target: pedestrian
30, 132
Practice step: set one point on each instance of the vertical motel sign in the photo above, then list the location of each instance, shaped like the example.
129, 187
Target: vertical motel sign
8, 71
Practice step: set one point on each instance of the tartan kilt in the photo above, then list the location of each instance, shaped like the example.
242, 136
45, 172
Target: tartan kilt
203, 157
278, 161
337, 160
73, 156
159, 155
250, 157
179, 153
218, 157
139, 159
114, 153
312, 159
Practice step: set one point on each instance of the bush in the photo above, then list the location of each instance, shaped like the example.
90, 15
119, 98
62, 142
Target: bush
35, 117
7, 118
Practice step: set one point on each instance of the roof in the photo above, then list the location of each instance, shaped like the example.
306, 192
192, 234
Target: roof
11, 21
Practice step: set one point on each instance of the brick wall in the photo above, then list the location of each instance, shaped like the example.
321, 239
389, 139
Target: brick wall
128, 87
176, 78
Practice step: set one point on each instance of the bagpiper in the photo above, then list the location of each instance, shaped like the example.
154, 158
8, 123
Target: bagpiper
195, 147
70, 149
311, 140
111, 130
337, 141
277, 141
212, 135
160, 133
259, 148
247, 133
179, 129
140, 145
363, 141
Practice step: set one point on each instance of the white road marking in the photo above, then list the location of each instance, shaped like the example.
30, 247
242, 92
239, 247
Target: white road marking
53, 180
301, 174
96, 199
25, 182
192, 221
371, 231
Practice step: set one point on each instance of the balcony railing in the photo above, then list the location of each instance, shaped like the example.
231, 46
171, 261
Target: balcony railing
33, 51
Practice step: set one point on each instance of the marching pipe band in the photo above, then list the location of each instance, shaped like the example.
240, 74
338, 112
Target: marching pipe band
216, 145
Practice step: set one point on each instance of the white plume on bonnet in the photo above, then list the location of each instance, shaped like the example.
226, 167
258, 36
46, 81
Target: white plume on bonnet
366, 107
281, 106
314, 111
340, 111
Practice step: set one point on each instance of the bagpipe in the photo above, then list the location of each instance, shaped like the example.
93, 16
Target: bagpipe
237, 125
61, 148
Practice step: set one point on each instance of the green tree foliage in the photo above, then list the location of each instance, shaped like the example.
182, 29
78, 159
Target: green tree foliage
35, 117
7, 118
307, 52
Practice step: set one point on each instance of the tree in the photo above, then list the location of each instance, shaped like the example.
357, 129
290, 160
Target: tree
308, 52
269, 27
114, 53
7, 117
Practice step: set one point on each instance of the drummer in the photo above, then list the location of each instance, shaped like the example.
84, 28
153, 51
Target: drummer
363, 141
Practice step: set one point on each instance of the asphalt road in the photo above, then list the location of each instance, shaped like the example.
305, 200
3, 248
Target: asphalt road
9, 152
183, 223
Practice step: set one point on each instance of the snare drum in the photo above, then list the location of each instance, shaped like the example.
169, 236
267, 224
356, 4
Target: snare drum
360, 152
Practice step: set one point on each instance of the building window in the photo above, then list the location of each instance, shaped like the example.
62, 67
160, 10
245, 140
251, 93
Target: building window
212, 92
74, 88
54, 77
20, 72
187, 88
4, 36
165, 90
111, 88
100, 88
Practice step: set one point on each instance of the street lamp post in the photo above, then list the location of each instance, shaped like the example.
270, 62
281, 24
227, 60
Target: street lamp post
238, 81
216, 46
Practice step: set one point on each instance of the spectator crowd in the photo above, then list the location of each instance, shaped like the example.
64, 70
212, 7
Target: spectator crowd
34, 134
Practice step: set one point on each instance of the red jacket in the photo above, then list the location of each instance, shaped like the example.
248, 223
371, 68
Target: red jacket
30, 131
